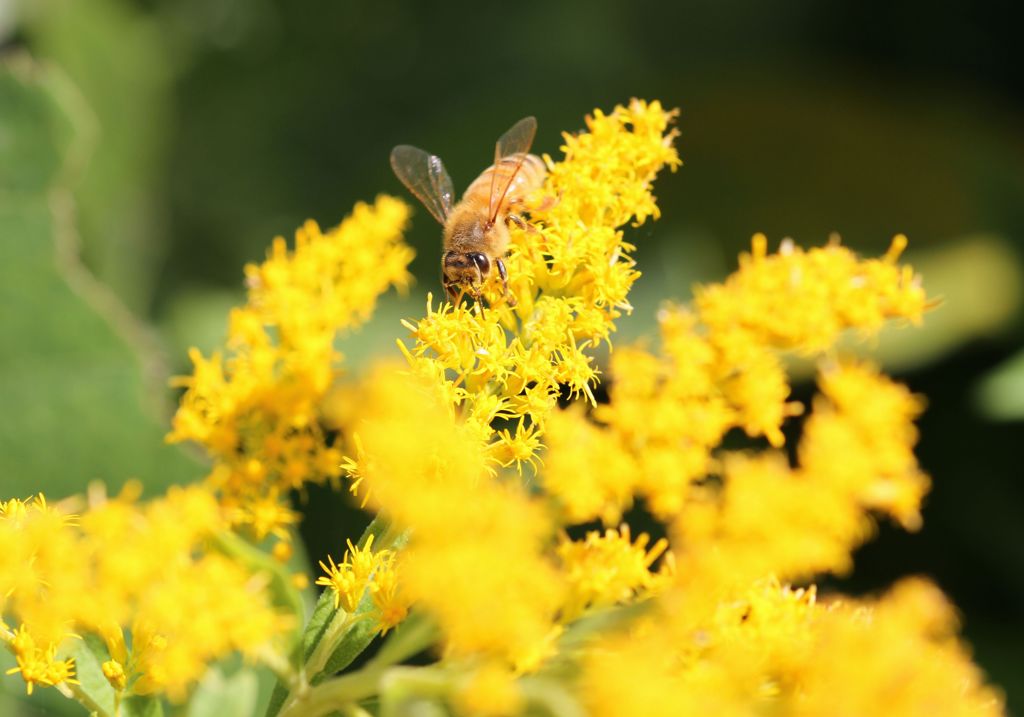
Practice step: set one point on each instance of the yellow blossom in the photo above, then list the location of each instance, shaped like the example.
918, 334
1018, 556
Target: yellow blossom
569, 271
487, 448
474, 559
114, 672
489, 691
349, 579
775, 649
604, 569
587, 470
388, 597
256, 408
124, 566
38, 663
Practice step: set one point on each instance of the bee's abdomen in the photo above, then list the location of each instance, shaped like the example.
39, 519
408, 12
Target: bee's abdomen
530, 176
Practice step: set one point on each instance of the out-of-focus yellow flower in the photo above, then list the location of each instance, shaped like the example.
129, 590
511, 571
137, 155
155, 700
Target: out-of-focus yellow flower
114, 672
474, 559
767, 518
123, 565
388, 596
605, 569
257, 409
868, 420
775, 649
489, 691
37, 664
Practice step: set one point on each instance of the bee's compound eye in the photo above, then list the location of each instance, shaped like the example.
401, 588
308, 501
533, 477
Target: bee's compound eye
481, 262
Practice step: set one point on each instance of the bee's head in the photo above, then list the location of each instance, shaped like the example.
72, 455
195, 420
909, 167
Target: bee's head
469, 269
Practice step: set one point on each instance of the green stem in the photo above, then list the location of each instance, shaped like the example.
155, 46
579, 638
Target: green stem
334, 694
401, 684
328, 642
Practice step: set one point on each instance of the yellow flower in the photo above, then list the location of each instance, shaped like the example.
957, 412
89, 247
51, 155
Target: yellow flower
38, 663
256, 409
123, 565
587, 469
570, 273
489, 691
388, 598
114, 672
349, 579
868, 419
773, 649
474, 559
803, 300
607, 569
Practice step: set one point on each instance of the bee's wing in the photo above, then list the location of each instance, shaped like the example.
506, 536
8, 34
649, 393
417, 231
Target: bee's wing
425, 176
514, 143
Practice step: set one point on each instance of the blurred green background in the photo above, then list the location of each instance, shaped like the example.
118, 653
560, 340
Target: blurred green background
149, 148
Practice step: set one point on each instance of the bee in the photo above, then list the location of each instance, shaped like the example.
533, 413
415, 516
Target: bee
476, 235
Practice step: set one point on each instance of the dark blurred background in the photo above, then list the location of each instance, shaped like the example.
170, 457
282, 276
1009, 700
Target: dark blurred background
204, 128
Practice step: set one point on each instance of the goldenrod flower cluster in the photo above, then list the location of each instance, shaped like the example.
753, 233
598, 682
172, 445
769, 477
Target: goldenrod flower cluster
257, 410
140, 576
444, 453
362, 570
427, 471
772, 648
504, 490
570, 273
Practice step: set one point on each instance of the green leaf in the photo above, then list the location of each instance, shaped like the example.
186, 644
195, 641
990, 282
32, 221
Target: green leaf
220, 696
356, 639
1000, 394
90, 653
140, 706
79, 398
118, 58
35, 132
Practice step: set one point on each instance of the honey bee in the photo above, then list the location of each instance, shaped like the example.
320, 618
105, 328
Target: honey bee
476, 235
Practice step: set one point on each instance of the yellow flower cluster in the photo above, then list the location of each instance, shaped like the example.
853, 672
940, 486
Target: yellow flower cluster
722, 632
362, 570
719, 369
427, 470
775, 649
476, 547
570, 273
138, 575
766, 518
257, 410
607, 569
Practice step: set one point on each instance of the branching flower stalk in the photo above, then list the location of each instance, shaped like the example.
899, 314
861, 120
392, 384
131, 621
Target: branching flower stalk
502, 553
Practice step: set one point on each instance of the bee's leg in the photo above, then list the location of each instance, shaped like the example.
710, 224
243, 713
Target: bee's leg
521, 223
453, 292
477, 296
548, 203
503, 273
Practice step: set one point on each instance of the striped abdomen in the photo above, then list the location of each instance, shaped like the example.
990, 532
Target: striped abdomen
530, 176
